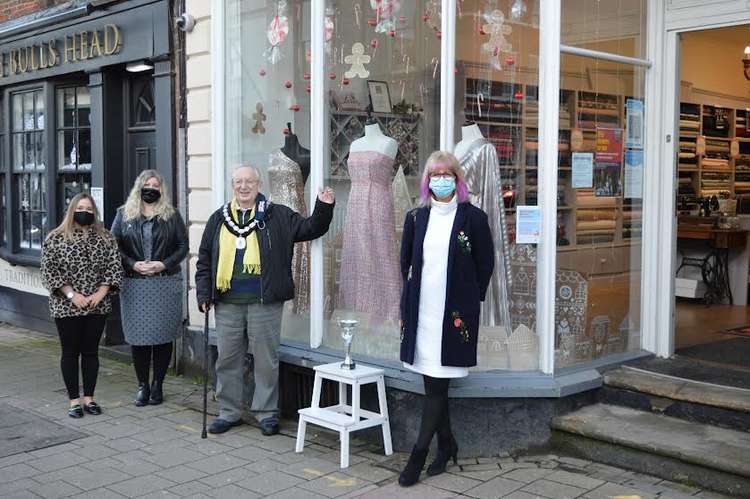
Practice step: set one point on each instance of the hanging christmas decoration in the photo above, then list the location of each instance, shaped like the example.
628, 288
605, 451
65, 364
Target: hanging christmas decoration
276, 33
329, 27
357, 13
518, 10
432, 16
357, 59
288, 84
295, 107
332, 75
497, 30
385, 14
259, 116
262, 72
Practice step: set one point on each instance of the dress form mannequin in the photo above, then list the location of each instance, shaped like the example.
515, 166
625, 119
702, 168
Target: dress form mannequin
375, 141
469, 133
293, 150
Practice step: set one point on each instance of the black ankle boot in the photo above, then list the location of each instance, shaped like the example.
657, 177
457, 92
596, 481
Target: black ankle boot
141, 398
157, 396
413, 468
447, 450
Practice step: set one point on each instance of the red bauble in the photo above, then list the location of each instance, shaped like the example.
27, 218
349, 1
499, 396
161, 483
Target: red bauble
518, 95
332, 75
306, 76
392, 33
308, 89
439, 35
345, 81
372, 22
288, 84
285, 131
509, 61
425, 17
481, 31
375, 43
262, 72
295, 107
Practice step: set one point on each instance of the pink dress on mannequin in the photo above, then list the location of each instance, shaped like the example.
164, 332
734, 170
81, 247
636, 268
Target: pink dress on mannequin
369, 279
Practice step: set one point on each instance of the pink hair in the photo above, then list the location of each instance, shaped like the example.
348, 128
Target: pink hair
443, 159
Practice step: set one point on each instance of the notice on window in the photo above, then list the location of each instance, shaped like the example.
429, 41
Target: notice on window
528, 224
583, 170
633, 174
98, 194
634, 124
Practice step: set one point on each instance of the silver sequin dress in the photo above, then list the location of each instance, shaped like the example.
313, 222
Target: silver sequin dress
288, 188
482, 171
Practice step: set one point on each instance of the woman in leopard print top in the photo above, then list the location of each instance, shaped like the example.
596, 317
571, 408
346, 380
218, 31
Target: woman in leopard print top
81, 268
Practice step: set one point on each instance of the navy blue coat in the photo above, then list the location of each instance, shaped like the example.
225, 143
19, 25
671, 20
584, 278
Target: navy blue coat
470, 264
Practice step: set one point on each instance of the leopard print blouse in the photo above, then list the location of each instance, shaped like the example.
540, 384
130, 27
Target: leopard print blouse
85, 261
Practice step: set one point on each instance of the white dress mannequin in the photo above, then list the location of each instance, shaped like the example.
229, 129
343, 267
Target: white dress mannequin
469, 134
375, 141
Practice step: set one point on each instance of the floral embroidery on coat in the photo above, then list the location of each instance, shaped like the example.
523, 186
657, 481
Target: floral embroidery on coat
459, 324
463, 242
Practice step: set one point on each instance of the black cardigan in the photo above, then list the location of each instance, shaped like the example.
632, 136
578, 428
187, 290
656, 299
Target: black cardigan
470, 265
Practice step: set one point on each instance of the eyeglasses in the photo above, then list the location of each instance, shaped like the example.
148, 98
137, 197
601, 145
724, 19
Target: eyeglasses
442, 176
244, 182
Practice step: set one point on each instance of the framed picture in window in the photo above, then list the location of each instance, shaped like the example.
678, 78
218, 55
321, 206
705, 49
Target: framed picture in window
380, 96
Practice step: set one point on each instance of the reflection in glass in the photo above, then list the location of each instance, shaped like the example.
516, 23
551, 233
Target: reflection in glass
29, 119
67, 155
613, 26
599, 247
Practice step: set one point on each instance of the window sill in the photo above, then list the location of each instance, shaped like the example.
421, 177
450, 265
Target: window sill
23, 259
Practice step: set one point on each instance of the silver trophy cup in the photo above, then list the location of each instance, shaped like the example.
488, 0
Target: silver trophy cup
347, 333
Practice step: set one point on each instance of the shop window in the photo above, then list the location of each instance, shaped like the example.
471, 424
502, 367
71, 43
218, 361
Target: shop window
73, 143
497, 120
267, 120
29, 168
613, 26
383, 77
598, 292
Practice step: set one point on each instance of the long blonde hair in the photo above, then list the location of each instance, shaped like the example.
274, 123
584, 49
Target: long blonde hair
162, 208
443, 159
66, 227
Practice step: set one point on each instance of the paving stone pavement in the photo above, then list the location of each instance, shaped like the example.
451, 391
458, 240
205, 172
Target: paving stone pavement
157, 452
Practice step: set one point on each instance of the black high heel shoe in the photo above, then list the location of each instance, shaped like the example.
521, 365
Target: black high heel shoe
144, 393
444, 455
157, 395
413, 468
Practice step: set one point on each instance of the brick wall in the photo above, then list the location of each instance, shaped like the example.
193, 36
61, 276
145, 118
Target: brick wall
11, 9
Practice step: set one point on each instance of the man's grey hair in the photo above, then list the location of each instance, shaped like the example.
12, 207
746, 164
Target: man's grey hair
249, 167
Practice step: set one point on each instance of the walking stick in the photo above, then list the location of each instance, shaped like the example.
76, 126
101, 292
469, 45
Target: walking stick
205, 371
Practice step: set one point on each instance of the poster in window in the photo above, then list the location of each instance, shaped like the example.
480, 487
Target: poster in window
380, 96
608, 162
634, 124
633, 174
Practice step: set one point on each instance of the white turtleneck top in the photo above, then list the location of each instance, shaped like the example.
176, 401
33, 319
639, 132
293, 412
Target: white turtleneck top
427, 355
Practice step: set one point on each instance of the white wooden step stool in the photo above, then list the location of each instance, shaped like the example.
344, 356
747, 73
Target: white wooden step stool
342, 417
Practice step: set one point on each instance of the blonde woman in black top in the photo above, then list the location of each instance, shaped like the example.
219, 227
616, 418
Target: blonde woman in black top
81, 268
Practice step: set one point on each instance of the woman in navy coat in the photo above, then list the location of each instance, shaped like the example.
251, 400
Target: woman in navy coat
446, 264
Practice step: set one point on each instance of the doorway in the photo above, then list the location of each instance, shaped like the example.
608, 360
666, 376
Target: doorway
712, 165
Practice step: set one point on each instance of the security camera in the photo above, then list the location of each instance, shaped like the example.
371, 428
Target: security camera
185, 22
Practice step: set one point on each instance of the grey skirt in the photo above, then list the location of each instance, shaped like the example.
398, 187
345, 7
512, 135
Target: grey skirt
151, 309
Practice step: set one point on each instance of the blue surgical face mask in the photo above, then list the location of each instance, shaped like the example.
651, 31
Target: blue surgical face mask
442, 187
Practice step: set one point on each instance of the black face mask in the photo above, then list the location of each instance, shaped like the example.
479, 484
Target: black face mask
150, 195
83, 218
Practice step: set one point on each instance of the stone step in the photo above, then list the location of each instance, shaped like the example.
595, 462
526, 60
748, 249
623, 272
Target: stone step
673, 449
708, 403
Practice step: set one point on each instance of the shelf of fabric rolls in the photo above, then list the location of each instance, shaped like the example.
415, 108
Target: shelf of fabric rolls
586, 221
711, 169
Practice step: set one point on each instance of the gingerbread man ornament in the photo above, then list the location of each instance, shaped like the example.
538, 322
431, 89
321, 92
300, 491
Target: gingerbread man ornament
357, 59
497, 30
259, 116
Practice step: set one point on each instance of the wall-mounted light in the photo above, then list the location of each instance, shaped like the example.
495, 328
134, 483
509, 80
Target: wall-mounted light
139, 66
746, 62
